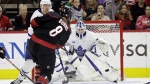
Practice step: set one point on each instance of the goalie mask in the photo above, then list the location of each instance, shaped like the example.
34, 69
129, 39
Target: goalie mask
80, 29
46, 6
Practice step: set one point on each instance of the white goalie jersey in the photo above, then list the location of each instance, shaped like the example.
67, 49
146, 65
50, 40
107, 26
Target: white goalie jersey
87, 52
87, 43
81, 45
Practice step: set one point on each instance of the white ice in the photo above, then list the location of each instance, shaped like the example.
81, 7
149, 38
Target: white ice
126, 81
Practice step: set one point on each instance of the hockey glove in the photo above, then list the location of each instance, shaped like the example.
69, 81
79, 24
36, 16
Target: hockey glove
2, 53
101, 41
102, 45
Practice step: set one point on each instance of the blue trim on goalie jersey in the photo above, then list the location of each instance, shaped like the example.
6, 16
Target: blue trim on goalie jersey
93, 65
94, 52
81, 35
94, 48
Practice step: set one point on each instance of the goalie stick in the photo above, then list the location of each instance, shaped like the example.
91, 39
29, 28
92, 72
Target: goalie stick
19, 70
70, 66
65, 73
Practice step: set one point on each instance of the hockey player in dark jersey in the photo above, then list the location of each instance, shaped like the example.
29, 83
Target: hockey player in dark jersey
51, 31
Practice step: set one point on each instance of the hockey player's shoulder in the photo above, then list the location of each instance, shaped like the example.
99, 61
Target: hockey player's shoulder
37, 13
54, 14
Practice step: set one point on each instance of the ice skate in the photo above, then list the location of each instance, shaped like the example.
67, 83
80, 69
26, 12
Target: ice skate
17, 81
65, 80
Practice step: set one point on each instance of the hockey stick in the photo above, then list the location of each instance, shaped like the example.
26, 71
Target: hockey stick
61, 61
62, 67
64, 49
66, 73
68, 64
19, 70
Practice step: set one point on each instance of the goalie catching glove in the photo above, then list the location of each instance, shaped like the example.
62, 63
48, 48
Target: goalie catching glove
2, 53
102, 45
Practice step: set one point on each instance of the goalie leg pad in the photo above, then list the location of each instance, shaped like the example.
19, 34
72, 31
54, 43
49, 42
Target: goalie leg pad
87, 73
89, 57
58, 67
74, 60
105, 70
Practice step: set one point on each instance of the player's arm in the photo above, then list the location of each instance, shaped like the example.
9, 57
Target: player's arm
64, 39
37, 21
65, 36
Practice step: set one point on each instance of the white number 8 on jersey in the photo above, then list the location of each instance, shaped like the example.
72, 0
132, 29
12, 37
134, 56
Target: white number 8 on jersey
55, 31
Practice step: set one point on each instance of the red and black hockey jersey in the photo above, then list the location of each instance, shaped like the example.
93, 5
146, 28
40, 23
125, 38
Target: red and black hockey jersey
50, 30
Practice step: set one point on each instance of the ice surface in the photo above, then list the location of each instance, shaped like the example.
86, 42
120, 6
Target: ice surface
126, 81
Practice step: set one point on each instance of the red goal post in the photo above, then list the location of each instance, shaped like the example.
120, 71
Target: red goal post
110, 28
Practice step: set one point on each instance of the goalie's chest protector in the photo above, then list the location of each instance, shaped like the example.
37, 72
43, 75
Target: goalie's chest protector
82, 43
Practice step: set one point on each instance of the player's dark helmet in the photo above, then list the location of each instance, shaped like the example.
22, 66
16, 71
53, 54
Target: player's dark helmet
66, 12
